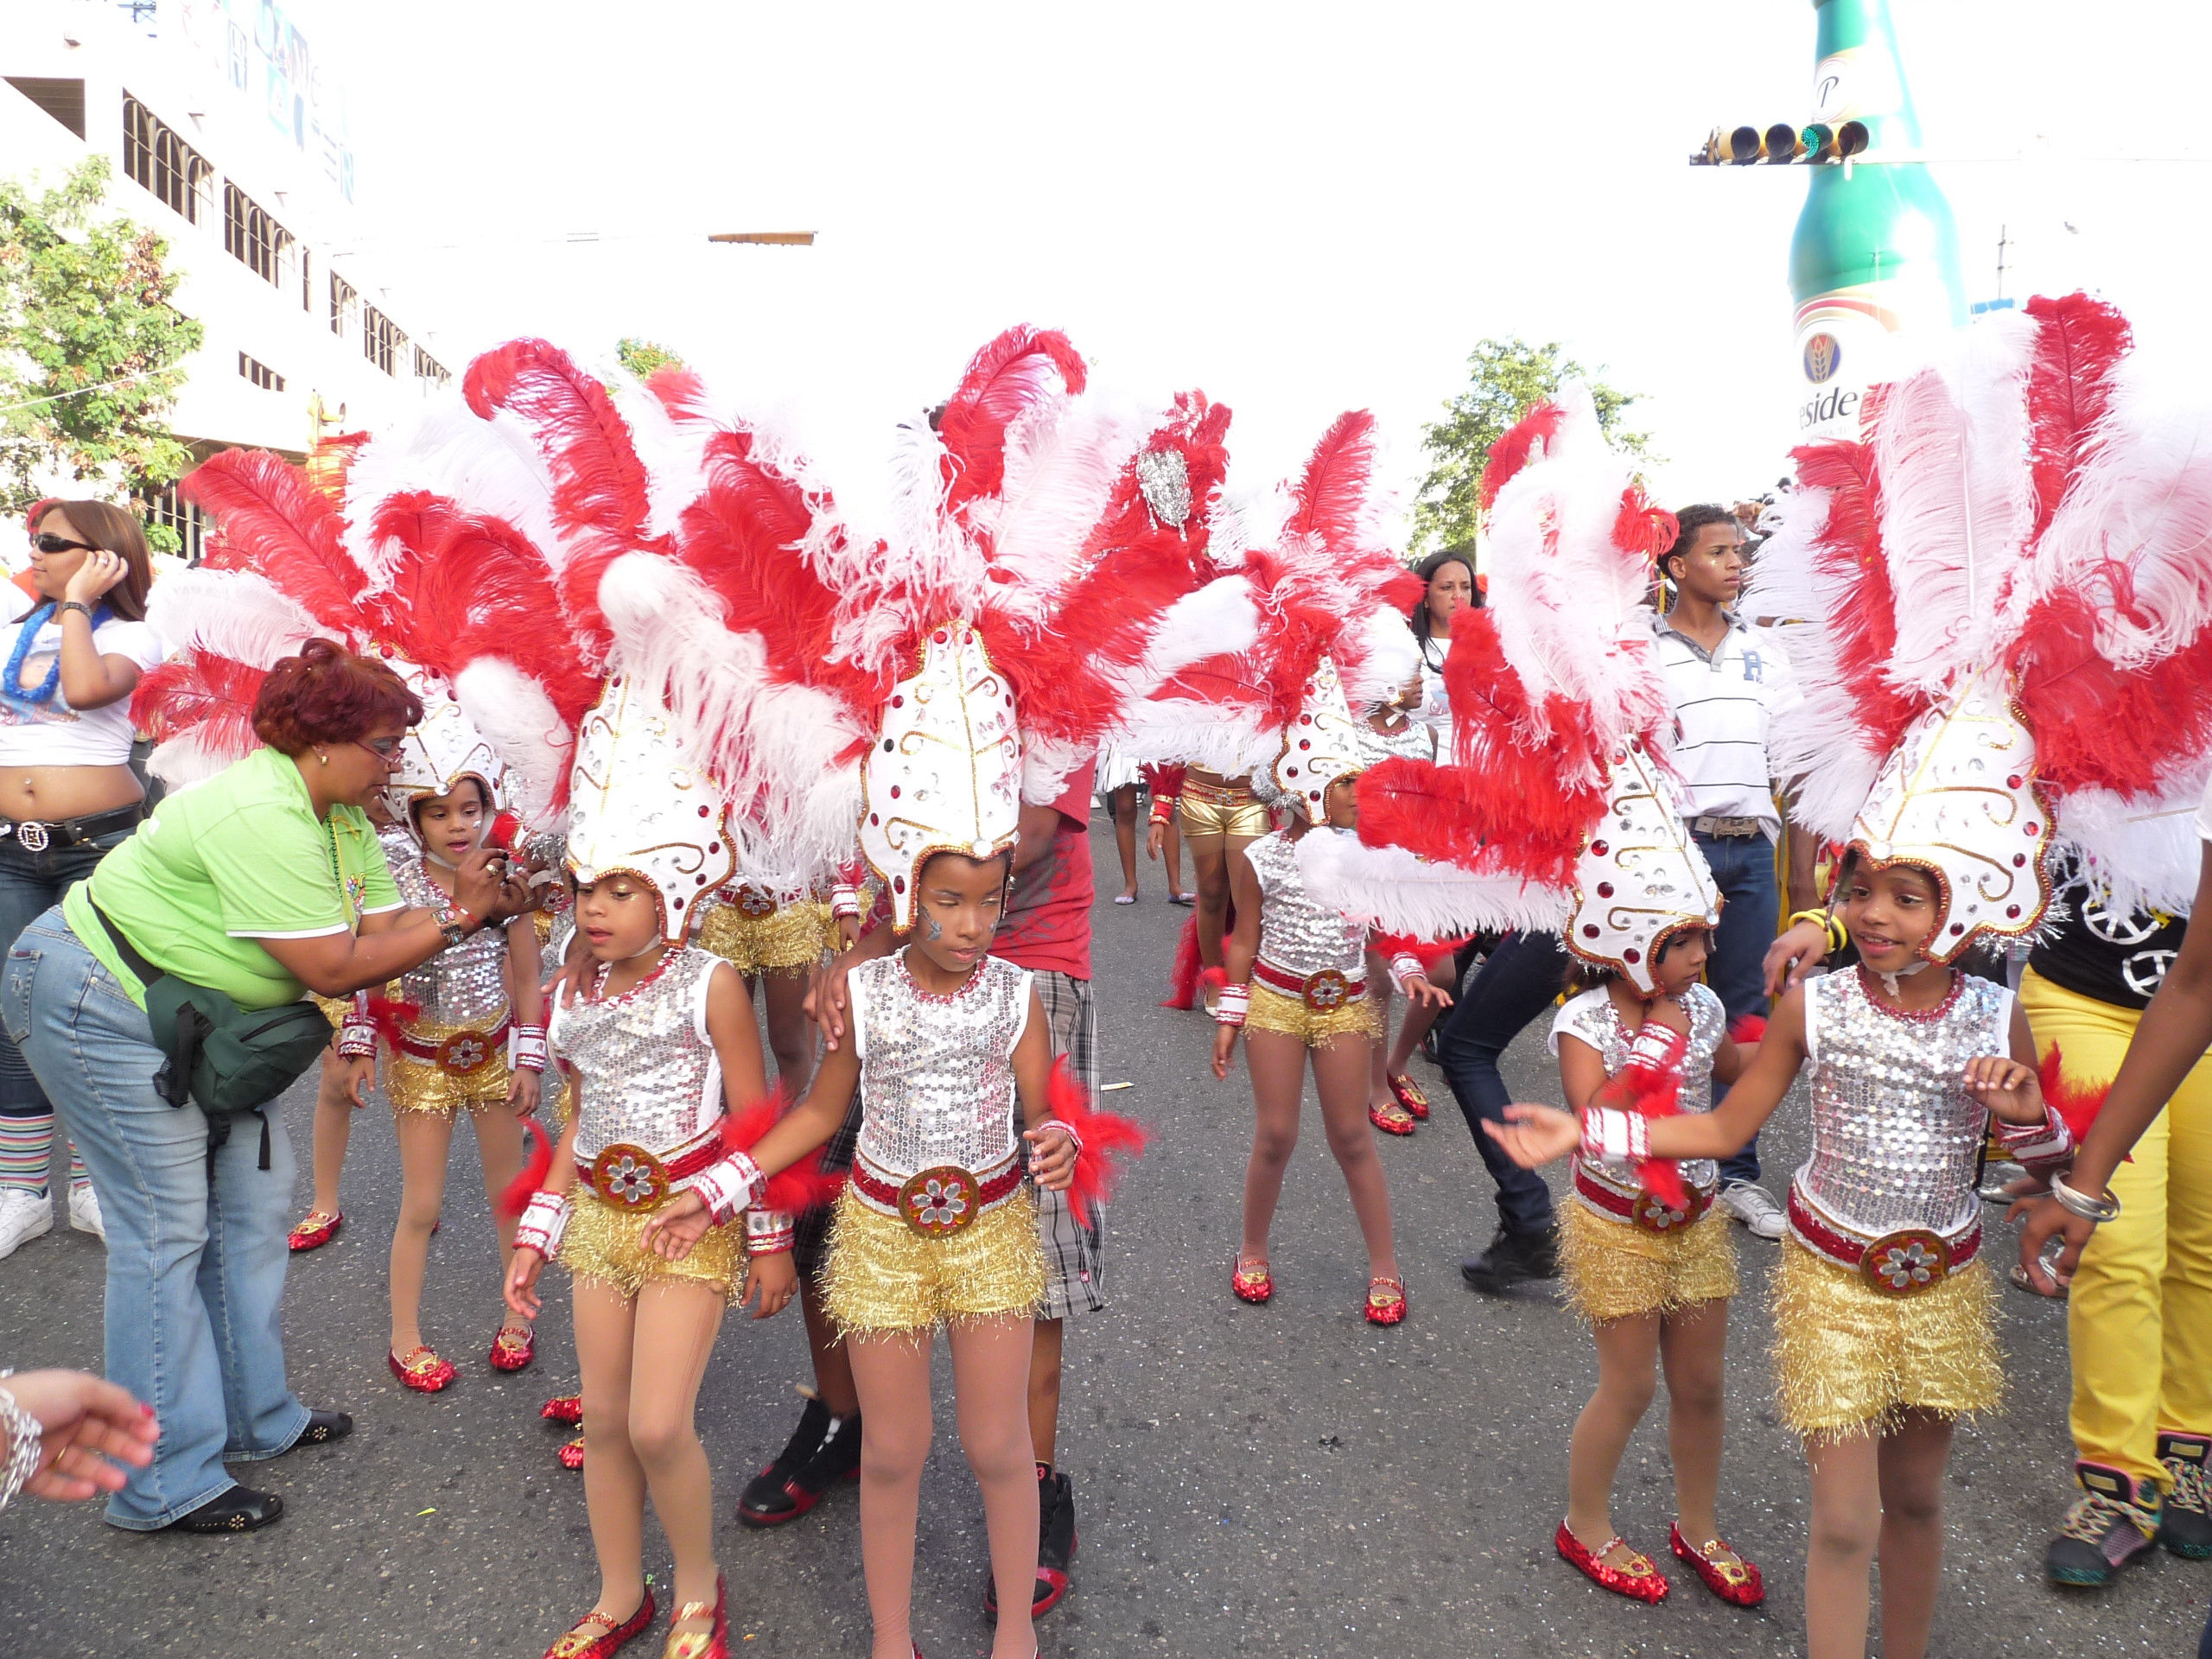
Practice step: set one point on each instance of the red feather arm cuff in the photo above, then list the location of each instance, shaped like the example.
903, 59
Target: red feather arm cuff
1650, 1084
2076, 1102
805, 1185
1183, 978
1110, 1142
1748, 1028
515, 1198
1387, 945
389, 1014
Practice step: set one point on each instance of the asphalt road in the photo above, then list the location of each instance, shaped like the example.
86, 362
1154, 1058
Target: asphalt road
1283, 1480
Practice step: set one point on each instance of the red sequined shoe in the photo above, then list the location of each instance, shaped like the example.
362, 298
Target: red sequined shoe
572, 1454
1638, 1578
512, 1350
564, 1408
1408, 1095
597, 1636
1386, 1300
1393, 1119
701, 1644
1252, 1283
421, 1369
1735, 1582
316, 1229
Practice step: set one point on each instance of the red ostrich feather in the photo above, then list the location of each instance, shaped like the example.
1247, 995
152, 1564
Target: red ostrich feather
2079, 343
1511, 452
269, 519
199, 692
1011, 374
1110, 1141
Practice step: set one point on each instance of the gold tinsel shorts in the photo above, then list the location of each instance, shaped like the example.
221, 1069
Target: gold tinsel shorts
1213, 810
788, 937
882, 1277
1274, 1010
420, 1085
601, 1246
1848, 1358
1614, 1269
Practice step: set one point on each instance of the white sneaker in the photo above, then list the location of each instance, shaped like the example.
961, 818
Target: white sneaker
1751, 1205
84, 1211
23, 1217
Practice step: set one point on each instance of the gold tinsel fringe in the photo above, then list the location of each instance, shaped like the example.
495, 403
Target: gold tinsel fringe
883, 1277
789, 937
1272, 1010
419, 1086
602, 1245
1614, 1269
1848, 1358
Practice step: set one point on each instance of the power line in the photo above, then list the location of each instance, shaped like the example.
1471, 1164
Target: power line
104, 385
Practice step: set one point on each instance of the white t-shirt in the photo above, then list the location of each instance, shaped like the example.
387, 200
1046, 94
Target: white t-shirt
1725, 705
52, 734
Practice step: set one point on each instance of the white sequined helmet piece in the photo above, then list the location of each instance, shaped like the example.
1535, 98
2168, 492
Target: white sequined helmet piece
439, 750
1323, 745
1640, 876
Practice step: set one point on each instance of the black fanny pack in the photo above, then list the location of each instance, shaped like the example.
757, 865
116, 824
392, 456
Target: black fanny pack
227, 1060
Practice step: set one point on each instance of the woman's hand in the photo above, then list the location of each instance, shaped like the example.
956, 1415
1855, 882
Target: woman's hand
2006, 1087
1052, 1156
773, 1279
99, 571
1534, 1135
480, 883
1224, 1048
1793, 955
521, 1281
2041, 1221
525, 1090
86, 1425
677, 1226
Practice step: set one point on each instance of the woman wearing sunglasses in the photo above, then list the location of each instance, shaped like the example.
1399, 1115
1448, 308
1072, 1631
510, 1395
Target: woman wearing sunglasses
77, 641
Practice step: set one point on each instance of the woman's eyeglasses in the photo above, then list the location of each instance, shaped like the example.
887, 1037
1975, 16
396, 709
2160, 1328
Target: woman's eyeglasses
50, 543
384, 748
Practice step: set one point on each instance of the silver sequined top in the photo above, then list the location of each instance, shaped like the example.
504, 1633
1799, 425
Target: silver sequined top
1297, 935
1592, 1017
464, 984
1894, 1133
650, 1078
937, 1072
1413, 741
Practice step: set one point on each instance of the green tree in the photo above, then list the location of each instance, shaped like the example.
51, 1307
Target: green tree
90, 345
1506, 379
641, 357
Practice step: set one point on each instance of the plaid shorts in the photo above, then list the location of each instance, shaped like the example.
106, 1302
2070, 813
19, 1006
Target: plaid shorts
810, 1239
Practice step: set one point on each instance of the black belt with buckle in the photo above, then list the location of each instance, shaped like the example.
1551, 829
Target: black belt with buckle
35, 837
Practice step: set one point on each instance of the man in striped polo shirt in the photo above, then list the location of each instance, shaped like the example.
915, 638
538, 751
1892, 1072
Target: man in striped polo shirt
1727, 684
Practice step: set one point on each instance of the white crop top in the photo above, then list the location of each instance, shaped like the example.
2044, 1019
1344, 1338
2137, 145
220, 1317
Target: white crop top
52, 734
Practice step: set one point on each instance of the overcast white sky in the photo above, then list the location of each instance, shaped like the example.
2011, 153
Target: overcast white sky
1301, 208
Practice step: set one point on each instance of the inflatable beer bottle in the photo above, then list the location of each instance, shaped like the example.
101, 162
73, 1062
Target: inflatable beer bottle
1876, 252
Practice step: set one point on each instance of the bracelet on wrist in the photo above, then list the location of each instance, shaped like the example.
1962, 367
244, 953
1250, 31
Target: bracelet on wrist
2080, 1204
26, 1443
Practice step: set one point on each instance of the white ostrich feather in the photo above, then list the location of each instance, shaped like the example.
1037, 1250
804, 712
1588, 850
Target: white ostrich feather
1383, 657
1178, 731
240, 614
2138, 853
1064, 456
489, 469
1391, 888
671, 450
185, 760
519, 721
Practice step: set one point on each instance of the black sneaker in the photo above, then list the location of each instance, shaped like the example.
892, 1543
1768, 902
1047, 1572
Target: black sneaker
1512, 1256
2184, 1527
764, 1501
1055, 1546
2112, 1523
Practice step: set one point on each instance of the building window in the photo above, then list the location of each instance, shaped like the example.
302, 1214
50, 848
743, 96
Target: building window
260, 374
62, 99
163, 164
344, 305
254, 239
165, 507
382, 342
428, 368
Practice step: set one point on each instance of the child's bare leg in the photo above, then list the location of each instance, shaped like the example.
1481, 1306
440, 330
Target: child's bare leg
1378, 1071
1340, 1075
424, 1140
1628, 1357
333, 1127
614, 1483
1170, 853
893, 1375
1277, 1064
790, 1033
1419, 1016
499, 1150
833, 1366
1840, 1554
990, 1375
1913, 1459
677, 1320
1692, 1345
1124, 803
1209, 880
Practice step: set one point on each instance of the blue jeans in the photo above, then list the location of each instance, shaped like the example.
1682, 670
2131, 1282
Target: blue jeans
30, 885
195, 1260
1513, 987
1743, 868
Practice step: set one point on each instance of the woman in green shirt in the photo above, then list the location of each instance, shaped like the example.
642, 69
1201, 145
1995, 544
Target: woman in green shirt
265, 882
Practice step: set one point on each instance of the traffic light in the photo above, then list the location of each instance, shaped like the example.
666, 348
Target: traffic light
1780, 144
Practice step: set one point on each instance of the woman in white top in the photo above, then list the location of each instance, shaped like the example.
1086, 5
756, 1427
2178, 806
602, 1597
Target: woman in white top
1449, 574
78, 643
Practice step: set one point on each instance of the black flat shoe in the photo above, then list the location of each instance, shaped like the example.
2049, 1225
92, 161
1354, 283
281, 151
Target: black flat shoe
324, 1427
239, 1509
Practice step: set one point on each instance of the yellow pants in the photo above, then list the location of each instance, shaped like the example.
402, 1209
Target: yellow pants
2138, 1317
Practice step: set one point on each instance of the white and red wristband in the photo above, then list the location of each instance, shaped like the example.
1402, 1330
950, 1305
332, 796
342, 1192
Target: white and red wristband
729, 1184
1616, 1136
844, 902
769, 1232
544, 1220
527, 1049
1407, 970
1231, 1004
357, 1032
2038, 1147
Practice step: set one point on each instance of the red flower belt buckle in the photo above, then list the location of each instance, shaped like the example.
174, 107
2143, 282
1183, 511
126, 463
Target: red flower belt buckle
629, 1178
1905, 1263
751, 901
938, 1203
1655, 1216
464, 1052
1327, 991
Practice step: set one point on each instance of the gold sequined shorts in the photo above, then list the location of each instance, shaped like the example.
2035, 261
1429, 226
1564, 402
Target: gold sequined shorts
1614, 1269
1274, 1010
882, 1277
789, 937
1218, 810
419, 1086
1847, 1357
601, 1246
